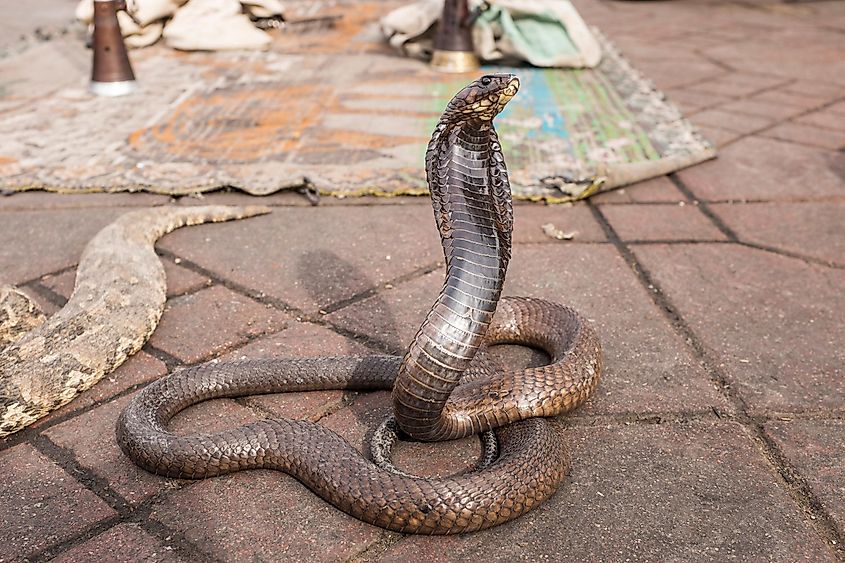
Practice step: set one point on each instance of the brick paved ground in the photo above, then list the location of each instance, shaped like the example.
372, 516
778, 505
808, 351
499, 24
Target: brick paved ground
718, 292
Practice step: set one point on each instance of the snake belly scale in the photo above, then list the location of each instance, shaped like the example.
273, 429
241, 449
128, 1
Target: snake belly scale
439, 391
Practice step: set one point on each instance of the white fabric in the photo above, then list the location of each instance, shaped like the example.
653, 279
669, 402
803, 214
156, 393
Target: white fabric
206, 25
410, 29
213, 25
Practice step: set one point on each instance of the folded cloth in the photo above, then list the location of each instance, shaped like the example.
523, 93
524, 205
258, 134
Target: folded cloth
202, 25
545, 33
213, 25
142, 22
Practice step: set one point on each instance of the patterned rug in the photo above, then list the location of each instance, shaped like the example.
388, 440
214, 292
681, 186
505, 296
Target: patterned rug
330, 107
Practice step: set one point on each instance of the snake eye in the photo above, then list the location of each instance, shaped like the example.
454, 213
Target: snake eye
486, 80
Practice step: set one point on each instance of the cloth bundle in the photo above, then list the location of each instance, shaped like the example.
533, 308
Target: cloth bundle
545, 33
191, 25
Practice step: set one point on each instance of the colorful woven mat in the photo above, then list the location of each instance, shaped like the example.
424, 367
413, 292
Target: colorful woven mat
332, 107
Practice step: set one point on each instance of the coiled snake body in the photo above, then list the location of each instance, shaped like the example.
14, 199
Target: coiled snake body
438, 391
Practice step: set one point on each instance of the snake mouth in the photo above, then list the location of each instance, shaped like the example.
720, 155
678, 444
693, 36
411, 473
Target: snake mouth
512, 88
508, 92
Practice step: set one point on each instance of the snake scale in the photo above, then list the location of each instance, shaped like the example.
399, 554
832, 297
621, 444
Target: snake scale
439, 392
115, 306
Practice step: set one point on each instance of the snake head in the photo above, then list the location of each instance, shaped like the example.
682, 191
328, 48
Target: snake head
482, 99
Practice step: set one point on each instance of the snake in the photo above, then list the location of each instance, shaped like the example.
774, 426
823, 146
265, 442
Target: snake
441, 389
117, 301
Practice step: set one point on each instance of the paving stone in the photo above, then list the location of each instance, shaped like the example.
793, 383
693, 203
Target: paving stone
814, 447
834, 20
391, 316
42, 68
661, 222
46, 306
661, 65
737, 84
738, 122
771, 322
263, 515
140, 368
689, 100
690, 492
814, 88
285, 197
300, 340
41, 200
182, 280
807, 135
41, 505
46, 241
665, 71
356, 422
294, 198
61, 284
693, 41
819, 59
719, 137
838, 108
438, 459
825, 118
761, 108
196, 326
575, 219
727, 32
312, 257
803, 101
659, 189
21, 20
811, 229
648, 368
754, 168
126, 542
91, 438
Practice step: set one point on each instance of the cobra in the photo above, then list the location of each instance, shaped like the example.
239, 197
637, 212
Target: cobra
440, 389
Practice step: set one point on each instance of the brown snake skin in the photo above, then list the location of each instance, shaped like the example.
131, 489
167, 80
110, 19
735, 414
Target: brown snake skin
438, 391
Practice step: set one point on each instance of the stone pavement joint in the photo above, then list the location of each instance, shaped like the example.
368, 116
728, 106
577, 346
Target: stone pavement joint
140, 516
796, 485
734, 238
704, 208
358, 297
798, 256
231, 285
775, 124
367, 340
638, 418
169, 360
67, 460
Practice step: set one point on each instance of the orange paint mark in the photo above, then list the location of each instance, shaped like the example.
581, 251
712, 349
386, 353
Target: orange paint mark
261, 121
330, 140
341, 38
235, 124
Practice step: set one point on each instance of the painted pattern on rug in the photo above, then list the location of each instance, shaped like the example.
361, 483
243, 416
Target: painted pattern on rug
347, 123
